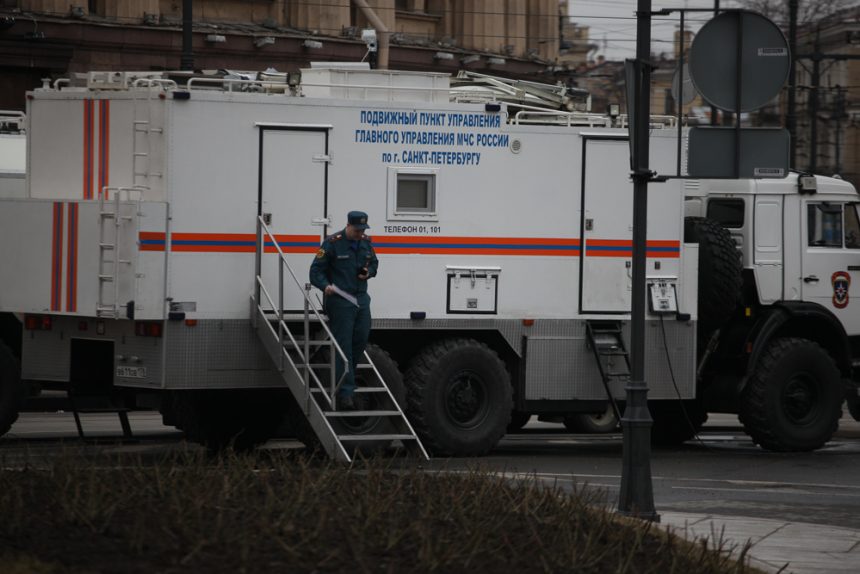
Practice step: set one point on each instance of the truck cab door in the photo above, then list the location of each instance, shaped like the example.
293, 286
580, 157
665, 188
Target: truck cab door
830, 262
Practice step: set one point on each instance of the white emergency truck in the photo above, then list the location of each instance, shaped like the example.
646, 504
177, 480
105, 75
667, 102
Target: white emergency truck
160, 256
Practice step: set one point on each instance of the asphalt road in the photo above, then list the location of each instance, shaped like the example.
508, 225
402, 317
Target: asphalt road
723, 474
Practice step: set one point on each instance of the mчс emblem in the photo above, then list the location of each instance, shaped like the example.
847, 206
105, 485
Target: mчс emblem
841, 282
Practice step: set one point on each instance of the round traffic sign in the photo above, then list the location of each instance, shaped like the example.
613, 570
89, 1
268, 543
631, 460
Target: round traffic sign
761, 69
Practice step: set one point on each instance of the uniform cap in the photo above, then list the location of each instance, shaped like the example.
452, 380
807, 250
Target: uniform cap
358, 219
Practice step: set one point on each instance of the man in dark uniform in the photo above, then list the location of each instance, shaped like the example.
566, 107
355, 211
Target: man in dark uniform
347, 260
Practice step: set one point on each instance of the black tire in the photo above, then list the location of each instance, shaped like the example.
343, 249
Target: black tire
720, 279
393, 378
793, 401
11, 389
518, 421
229, 419
676, 422
459, 397
301, 429
593, 423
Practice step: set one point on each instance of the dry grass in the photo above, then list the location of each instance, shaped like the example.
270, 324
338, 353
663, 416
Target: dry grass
187, 512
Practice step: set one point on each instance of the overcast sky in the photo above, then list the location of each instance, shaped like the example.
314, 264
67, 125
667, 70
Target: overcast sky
613, 23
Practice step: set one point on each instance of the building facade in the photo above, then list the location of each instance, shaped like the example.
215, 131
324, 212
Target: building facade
52, 38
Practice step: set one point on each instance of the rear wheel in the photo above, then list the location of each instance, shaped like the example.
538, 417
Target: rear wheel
793, 401
11, 389
459, 397
593, 423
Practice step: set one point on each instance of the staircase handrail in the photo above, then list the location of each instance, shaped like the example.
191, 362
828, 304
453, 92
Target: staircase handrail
263, 232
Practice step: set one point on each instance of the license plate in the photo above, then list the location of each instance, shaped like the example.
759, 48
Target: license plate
131, 372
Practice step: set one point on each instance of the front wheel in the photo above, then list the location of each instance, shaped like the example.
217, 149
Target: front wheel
793, 401
459, 397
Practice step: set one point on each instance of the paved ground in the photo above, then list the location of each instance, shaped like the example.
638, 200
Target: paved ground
800, 509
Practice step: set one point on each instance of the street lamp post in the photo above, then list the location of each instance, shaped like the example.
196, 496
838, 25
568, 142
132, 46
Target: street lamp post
637, 497
186, 61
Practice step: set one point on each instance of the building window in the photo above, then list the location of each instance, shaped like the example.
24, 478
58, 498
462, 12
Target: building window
412, 194
824, 225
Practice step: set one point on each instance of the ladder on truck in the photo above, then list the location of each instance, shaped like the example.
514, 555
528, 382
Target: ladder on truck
606, 340
145, 129
298, 359
113, 269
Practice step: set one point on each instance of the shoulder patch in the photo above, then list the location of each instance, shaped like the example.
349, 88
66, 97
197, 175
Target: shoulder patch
335, 237
321, 253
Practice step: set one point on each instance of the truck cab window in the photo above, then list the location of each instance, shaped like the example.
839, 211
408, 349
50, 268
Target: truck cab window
852, 226
727, 212
824, 224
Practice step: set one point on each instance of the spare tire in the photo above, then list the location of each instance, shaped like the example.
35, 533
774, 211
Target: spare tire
720, 279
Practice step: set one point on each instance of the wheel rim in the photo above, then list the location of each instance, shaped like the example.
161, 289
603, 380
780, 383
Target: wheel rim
800, 399
465, 399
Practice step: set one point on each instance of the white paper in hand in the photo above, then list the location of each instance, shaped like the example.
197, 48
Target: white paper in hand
345, 295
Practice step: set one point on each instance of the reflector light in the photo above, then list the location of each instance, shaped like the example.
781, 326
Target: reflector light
38, 322
528, 322
100, 327
147, 329
190, 322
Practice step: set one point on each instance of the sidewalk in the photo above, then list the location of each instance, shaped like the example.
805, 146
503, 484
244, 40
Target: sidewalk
805, 547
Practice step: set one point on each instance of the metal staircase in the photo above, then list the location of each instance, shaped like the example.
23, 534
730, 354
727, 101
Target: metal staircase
607, 343
306, 362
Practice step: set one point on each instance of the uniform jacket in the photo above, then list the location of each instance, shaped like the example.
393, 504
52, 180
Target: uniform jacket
339, 263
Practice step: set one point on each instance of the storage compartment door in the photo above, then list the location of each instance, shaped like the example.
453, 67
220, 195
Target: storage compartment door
607, 227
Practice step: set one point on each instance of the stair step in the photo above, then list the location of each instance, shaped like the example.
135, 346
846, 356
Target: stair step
94, 410
301, 344
603, 353
358, 437
360, 390
618, 374
340, 414
296, 317
606, 330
